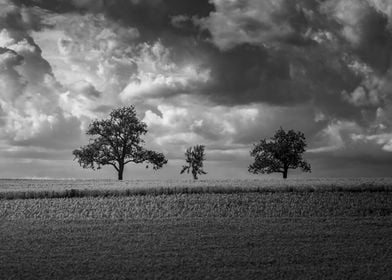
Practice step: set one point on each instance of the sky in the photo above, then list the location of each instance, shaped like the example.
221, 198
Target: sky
223, 73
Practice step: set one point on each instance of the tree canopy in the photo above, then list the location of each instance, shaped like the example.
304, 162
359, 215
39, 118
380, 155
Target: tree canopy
194, 157
117, 141
280, 153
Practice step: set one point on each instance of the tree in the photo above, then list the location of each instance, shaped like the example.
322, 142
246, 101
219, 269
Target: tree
194, 157
116, 141
280, 153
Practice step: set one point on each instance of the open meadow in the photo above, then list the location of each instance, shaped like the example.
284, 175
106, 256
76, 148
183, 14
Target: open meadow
294, 229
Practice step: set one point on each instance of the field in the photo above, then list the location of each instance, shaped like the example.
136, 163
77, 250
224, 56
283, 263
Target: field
314, 229
14, 189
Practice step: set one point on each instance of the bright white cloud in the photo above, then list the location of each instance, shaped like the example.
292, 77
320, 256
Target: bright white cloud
90, 49
29, 92
158, 75
227, 131
188, 121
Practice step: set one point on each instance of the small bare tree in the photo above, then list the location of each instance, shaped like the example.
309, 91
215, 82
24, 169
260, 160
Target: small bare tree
194, 157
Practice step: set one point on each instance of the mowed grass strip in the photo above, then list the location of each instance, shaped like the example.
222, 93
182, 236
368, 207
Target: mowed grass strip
271, 204
198, 248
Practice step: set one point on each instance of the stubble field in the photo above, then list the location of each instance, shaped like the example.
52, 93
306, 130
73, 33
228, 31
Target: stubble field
340, 229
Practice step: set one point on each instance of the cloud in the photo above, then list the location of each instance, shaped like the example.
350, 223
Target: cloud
383, 140
93, 49
303, 50
181, 126
254, 22
290, 51
29, 91
151, 17
362, 27
11, 83
120, 67
365, 28
19, 19
334, 136
359, 97
227, 131
220, 73
85, 89
159, 76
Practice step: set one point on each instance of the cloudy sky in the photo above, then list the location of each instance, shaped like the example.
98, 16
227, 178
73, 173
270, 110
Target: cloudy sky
223, 73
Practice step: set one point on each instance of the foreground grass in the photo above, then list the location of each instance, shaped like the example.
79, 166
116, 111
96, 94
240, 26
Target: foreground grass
270, 235
207, 248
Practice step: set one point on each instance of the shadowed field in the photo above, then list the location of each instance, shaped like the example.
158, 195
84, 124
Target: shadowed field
198, 248
243, 235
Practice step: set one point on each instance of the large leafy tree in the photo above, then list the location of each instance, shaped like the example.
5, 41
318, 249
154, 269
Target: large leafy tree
280, 153
194, 157
117, 141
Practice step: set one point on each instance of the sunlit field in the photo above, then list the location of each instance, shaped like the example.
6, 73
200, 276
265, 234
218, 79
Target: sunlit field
13, 189
254, 229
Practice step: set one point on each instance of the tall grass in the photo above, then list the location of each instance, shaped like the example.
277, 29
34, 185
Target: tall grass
240, 205
33, 189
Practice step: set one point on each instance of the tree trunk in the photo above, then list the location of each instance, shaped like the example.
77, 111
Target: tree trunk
194, 175
285, 171
120, 171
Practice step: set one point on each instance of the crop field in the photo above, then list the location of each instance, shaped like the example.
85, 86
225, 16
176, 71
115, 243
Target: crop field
313, 229
14, 189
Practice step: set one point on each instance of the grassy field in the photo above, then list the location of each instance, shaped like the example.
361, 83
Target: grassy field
312, 232
15, 189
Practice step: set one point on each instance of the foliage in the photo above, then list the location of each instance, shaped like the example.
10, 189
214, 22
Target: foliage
117, 141
278, 154
194, 157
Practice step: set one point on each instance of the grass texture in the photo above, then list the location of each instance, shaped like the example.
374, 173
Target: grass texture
204, 248
282, 231
32, 189
266, 205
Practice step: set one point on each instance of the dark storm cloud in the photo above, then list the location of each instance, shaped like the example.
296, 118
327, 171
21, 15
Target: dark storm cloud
152, 17
289, 52
376, 43
282, 77
292, 51
277, 52
58, 6
247, 74
362, 29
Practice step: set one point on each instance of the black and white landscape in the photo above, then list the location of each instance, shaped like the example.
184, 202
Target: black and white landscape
251, 139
